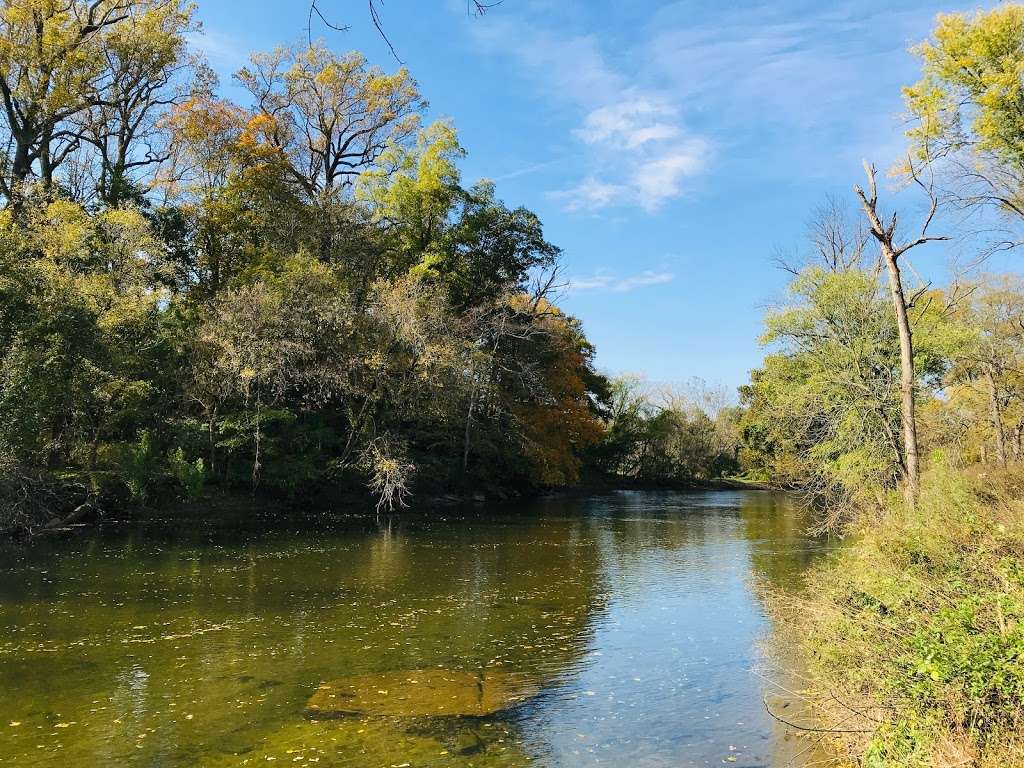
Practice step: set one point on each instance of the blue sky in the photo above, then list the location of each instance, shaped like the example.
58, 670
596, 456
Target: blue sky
671, 148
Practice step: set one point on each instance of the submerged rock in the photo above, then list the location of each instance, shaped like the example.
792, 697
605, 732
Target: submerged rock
421, 693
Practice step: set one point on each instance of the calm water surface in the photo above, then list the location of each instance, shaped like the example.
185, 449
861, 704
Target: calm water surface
183, 642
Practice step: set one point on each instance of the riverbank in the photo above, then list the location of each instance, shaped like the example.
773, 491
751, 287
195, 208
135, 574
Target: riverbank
73, 502
610, 483
915, 630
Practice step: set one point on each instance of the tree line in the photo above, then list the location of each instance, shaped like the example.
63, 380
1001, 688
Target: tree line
291, 294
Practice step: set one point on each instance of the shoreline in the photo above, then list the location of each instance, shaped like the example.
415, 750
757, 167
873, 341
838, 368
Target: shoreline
93, 513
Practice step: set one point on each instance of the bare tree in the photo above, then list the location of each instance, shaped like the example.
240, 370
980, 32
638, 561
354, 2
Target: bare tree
884, 231
837, 244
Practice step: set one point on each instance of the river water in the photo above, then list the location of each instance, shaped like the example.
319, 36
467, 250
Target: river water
197, 639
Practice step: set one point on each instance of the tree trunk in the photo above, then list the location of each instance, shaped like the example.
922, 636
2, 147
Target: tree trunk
469, 422
884, 233
907, 379
21, 167
997, 416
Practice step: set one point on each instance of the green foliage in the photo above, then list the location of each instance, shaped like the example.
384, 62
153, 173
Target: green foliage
189, 475
317, 298
921, 620
971, 93
823, 410
668, 436
968, 107
982, 414
142, 466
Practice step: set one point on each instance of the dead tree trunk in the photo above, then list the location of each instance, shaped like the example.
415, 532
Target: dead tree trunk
885, 234
908, 378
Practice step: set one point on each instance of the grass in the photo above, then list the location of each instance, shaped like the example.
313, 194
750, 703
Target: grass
915, 630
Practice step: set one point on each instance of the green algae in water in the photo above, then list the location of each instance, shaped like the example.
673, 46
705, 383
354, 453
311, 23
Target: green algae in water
420, 693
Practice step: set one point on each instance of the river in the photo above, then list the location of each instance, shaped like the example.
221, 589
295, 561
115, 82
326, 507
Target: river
197, 639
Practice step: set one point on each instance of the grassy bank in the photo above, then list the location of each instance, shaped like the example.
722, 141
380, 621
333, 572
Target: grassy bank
914, 630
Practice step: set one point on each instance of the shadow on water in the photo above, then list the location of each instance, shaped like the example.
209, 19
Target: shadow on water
180, 641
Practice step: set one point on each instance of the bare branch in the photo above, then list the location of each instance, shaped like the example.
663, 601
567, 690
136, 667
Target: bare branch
473, 8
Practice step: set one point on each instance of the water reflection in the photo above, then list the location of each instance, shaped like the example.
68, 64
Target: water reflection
181, 643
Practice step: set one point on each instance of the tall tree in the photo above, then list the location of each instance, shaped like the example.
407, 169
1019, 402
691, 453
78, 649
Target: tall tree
51, 60
146, 71
884, 231
989, 366
331, 116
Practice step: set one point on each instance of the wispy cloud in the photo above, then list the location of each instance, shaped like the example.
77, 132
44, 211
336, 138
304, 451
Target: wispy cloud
527, 170
779, 91
633, 141
568, 67
614, 284
591, 194
819, 86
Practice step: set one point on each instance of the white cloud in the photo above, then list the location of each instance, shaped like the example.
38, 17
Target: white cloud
654, 180
660, 178
643, 280
591, 195
642, 132
597, 282
630, 124
781, 89
610, 283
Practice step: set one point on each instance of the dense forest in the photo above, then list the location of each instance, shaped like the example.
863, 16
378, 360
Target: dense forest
294, 295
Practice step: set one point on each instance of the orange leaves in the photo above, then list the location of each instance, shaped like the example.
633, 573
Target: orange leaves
215, 139
559, 423
199, 118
